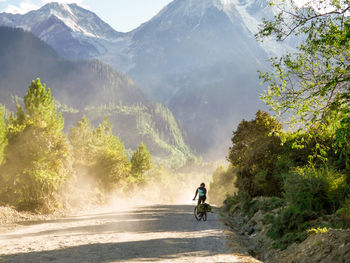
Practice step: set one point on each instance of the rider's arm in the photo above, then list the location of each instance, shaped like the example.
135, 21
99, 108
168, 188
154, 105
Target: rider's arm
195, 194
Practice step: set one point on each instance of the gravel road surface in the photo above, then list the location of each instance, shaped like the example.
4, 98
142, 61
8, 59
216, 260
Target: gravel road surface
160, 233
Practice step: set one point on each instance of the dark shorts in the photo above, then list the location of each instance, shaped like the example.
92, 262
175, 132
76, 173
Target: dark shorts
201, 199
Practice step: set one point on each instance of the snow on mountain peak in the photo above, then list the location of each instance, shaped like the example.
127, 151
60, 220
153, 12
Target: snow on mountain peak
64, 13
67, 8
78, 19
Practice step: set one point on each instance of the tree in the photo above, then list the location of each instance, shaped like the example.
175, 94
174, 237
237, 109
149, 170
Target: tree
112, 165
222, 184
141, 161
315, 80
82, 141
99, 155
37, 154
255, 147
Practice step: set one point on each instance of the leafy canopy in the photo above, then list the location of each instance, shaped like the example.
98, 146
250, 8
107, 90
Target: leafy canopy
37, 154
99, 153
255, 147
141, 161
314, 80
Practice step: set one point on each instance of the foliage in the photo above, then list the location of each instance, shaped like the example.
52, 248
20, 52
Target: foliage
319, 190
290, 226
311, 89
249, 206
3, 140
153, 124
344, 211
98, 154
318, 230
43, 170
315, 79
106, 92
255, 147
309, 193
141, 161
267, 219
112, 164
342, 140
231, 201
37, 154
222, 184
271, 203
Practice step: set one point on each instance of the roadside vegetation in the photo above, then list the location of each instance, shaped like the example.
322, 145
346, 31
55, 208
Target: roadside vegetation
43, 169
298, 176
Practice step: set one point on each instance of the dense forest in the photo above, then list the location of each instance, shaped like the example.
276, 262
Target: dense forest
93, 89
43, 169
294, 165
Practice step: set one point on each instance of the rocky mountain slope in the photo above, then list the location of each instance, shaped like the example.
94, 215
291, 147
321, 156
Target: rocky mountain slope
72, 31
198, 57
89, 88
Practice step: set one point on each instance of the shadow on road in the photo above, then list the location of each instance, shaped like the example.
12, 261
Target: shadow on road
204, 240
152, 219
156, 249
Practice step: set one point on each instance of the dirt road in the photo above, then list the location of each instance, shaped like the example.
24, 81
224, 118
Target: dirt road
143, 234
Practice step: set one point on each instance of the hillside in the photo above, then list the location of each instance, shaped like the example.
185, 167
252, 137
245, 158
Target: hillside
197, 57
89, 88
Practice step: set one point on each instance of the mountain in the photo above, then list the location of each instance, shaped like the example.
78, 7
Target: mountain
198, 57
72, 31
90, 88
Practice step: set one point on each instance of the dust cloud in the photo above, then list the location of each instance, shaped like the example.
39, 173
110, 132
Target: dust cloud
158, 187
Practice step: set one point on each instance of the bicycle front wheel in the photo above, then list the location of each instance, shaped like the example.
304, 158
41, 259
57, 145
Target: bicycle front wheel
204, 216
197, 215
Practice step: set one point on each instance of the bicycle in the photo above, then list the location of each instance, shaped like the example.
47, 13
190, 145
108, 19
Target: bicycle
200, 212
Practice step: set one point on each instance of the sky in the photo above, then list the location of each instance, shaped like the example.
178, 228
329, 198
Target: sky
122, 15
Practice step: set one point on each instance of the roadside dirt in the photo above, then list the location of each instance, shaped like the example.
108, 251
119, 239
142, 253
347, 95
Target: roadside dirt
163, 233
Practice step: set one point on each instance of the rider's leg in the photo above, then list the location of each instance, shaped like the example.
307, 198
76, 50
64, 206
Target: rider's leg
201, 200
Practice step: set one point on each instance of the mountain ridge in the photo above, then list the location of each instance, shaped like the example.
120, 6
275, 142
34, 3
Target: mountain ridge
89, 88
198, 57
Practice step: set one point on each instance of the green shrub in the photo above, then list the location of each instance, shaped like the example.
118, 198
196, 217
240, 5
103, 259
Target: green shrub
244, 202
315, 189
230, 201
289, 238
344, 211
290, 226
222, 185
267, 219
271, 203
318, 230
309, 193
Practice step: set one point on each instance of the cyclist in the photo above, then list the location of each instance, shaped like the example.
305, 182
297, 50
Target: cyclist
202, 193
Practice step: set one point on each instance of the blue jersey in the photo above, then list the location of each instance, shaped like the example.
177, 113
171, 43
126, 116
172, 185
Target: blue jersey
202, 191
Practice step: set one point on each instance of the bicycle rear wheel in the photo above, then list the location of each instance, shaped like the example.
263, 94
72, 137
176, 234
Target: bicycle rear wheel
197, 215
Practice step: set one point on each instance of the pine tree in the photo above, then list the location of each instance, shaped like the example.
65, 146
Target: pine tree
37, 155
81, 139
141, 161
99, 154
112, 165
